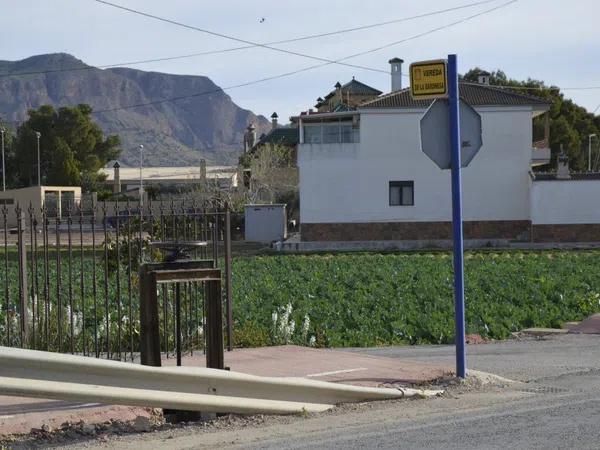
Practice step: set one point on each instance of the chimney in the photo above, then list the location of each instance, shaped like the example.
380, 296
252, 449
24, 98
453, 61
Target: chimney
562, 166
117, 178
249, 137
203, 171
483, 78
338, 91
396, 72
274, 118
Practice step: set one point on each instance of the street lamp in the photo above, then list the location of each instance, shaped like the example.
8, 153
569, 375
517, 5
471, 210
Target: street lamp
2, 130
38, 135
141, 177
590, 136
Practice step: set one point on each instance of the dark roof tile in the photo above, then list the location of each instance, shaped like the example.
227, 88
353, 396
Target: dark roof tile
281, 135
474, 94
355, 87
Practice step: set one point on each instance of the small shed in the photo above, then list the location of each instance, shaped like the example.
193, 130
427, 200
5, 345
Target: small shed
265, 223
56, 199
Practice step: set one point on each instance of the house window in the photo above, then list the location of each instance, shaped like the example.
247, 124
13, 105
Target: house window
402, 193
334, 132
312, 134
331, 133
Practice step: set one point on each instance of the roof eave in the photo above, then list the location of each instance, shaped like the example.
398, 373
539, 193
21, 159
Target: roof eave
324, 115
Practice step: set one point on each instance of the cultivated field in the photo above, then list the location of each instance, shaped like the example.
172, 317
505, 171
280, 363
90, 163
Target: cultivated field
377, 299
322, 300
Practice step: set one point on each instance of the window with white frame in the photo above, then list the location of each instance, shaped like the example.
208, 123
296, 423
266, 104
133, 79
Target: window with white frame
402, 193
331, 132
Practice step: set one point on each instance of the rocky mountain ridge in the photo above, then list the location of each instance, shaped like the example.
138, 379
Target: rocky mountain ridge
179, 119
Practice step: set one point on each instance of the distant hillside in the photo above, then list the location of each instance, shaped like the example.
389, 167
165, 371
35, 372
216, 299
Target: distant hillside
173, 133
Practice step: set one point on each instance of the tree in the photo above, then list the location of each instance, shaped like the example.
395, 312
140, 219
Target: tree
72, 148
570, 124
274, 174
64, 170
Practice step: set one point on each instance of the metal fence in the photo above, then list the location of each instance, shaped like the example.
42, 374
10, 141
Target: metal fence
70, 280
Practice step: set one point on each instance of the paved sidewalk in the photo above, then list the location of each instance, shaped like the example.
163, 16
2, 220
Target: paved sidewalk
20, 415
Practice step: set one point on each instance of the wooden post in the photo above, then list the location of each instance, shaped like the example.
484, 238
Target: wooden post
214, 325
149, 331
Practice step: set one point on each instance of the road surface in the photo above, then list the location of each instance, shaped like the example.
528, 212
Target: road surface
556, 406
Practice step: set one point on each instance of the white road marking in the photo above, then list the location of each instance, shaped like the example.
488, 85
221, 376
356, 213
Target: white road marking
6, 417
323, 374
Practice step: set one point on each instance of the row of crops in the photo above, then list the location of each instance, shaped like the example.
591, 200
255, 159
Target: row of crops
332, 300
381, 299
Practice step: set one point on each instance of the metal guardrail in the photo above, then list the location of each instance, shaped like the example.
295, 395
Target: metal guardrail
32, 373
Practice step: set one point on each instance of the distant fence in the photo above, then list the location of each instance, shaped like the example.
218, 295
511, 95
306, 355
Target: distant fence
69, 281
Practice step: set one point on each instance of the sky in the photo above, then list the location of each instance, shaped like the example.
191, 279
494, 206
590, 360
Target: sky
557, 41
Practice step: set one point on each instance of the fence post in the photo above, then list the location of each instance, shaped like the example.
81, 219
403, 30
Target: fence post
149, 328
23, 295
229, 309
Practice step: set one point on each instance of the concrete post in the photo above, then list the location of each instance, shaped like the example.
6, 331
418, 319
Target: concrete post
117, 178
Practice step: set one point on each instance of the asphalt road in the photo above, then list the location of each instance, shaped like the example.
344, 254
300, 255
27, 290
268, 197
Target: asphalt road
557, 405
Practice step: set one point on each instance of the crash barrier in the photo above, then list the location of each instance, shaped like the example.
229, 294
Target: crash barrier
32, 373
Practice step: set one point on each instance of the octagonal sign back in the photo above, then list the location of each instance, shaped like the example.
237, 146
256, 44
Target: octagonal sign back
435, 133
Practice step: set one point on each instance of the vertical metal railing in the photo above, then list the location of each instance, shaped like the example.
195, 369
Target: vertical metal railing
70, 275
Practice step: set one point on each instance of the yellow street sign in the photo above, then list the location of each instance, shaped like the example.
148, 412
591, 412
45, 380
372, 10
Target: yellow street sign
428, 79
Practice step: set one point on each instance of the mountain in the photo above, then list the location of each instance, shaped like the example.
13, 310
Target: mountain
181, 132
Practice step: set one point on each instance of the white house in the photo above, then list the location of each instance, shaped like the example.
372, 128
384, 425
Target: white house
364, 177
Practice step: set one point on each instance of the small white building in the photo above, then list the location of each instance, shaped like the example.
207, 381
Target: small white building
222, 177
363, 175
56, 200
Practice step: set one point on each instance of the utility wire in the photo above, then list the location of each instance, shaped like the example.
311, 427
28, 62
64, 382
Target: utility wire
305, 69
232, 49
267, 46
312, 36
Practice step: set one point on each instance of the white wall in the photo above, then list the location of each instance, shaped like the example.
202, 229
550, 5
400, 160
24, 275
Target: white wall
565, 202
265, 223
349, 182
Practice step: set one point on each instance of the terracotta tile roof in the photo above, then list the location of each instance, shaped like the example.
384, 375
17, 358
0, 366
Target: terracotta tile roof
474, 94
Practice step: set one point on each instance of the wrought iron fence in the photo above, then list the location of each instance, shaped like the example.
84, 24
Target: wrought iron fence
70, 275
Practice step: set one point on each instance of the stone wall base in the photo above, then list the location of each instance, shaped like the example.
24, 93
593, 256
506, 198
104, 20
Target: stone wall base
512, 230
411, 231
573, 232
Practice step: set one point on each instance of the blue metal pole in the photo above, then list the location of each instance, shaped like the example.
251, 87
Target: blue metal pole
457, 225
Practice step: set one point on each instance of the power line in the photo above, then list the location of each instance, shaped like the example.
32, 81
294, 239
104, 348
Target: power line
232, 49
268, 46
443, 27
305, 69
